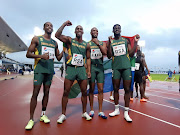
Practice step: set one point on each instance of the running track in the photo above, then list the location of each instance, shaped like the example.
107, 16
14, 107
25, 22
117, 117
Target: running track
159, 116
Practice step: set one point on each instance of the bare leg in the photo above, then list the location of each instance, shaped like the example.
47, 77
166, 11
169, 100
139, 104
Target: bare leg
136, 86
100, 95
141, 90
127, 85
144, 86
67, 88
34, 100
83, 86
116, 83
91, 94
45, 97
111, 93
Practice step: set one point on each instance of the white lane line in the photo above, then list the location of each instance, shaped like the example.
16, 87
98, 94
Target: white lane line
159, 104
59, 78
140, 112
149, 88
146, 115
164, 97
177, 94
164, 105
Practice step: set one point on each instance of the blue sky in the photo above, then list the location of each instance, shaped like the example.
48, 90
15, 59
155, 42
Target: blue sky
156, 21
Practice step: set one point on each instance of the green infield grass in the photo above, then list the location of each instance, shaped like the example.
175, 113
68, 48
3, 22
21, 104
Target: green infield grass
162, 77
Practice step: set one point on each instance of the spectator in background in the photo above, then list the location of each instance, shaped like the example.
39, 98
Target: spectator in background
174, 72
62, 69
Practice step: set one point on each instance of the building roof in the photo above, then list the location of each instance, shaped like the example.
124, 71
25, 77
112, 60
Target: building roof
9, 40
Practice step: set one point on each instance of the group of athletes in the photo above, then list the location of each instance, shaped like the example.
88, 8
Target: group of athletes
43, 49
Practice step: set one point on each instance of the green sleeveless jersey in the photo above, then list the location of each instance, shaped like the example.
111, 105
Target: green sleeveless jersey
120, 56
78, 52
41, 65
96, 55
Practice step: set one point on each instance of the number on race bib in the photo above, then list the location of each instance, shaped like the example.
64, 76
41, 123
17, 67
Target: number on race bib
77, 60
51, 51
96, 54
119, 50
137, 65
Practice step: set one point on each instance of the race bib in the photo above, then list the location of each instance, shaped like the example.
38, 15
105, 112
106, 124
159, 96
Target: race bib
77, 60
137, 65
119, 50
50, 50
96, 54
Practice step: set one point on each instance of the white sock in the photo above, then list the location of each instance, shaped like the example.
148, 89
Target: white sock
43, 113
126, 108
117, 107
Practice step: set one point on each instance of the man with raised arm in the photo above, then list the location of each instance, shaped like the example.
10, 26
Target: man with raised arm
78, 50
120, 49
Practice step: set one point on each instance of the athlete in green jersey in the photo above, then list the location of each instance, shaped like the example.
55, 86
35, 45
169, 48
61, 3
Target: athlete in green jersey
120, 49
42, 49
78, 50
98, 49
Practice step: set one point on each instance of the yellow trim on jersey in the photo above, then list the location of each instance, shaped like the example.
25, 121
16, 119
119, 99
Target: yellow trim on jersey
69, 53
36, 59
128, 56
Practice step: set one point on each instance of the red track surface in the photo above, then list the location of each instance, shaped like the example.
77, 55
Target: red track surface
160, 115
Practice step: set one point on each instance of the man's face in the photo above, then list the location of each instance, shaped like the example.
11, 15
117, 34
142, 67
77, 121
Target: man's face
79, 31
117, 29
94, 32
48, 28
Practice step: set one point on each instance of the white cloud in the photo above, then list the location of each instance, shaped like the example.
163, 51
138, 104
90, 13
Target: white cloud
38, 31
162, 15
161, 57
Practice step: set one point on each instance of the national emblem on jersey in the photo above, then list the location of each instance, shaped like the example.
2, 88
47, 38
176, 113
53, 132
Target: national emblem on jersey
41, 39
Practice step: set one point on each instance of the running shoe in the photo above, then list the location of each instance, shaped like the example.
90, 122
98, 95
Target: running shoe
114, 113
61, 118
102, 115
91, 113
86, 116
143, 100
126, 116
111, 98
30, 125
45, 119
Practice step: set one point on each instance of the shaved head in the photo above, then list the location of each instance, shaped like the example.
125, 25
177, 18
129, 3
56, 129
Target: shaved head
79, 31
94, 32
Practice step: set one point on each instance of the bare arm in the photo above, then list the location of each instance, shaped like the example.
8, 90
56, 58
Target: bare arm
103, 47
109, 50
88, 61
31, 50
132, 50
144, 63
57, 54
59, 35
